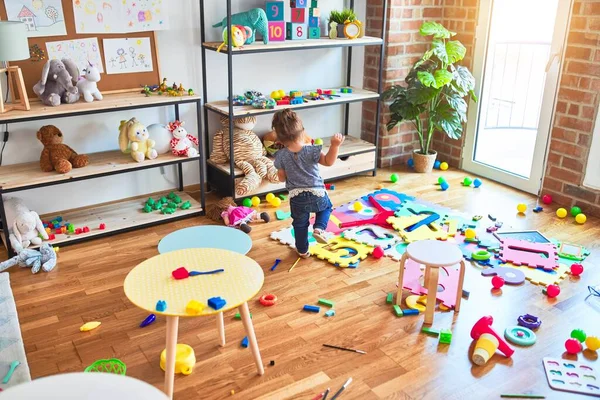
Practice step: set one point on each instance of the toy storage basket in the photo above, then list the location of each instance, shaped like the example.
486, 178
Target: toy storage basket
112, 366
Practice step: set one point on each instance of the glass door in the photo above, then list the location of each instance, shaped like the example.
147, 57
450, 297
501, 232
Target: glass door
519, 47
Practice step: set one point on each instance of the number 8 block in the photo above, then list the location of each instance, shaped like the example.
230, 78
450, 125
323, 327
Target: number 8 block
296, 31
275, 11
277, 31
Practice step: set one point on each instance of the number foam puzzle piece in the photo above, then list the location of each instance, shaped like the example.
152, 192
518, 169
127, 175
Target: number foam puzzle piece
424, 232
521, 252
540, 276
341, 252
372, 235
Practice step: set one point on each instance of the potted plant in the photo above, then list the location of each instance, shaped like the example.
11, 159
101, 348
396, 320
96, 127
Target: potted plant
337, 20
433, 98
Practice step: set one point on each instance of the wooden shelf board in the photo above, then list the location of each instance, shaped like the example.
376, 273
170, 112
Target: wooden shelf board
323, 42
352, 145
222, 106
22, 176
118, 216
110, 102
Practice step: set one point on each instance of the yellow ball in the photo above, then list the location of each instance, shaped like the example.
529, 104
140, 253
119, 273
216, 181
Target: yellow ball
580, 218
444, 166
521, 207
276, 202
592, 343
270, 197
255, 201
470, 233
561, 213
357, 206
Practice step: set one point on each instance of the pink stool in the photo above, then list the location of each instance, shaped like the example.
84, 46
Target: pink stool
433, 254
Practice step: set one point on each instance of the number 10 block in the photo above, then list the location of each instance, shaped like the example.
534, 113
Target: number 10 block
277, 31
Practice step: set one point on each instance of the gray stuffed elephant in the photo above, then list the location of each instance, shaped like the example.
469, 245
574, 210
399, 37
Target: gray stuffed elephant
44, 259
58, 81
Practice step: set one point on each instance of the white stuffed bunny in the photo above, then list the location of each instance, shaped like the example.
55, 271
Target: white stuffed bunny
182, 143
24, 225
88, 83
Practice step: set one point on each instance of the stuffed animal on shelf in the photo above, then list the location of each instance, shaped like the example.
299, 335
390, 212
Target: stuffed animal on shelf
182, 143
248, 152
57, 84
56, 155
24, 226
255, 19
135, 140
44, 259
231, 214
88, 83
239, 35
272, 144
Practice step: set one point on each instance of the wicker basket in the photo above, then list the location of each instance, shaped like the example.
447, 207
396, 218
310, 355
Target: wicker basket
112, 366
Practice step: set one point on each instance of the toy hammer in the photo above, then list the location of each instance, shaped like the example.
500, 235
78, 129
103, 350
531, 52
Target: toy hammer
484, 325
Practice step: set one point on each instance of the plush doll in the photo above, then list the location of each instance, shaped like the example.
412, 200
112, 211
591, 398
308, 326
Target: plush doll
235, 216
44, 259
57, 155
255, 19
24, 226
248, 151
134, 140
272, 144
57, 84
182, 143
88, 83
239, 35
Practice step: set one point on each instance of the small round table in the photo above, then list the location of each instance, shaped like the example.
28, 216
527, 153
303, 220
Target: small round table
152, 281
84, 385
433, 254
206, 236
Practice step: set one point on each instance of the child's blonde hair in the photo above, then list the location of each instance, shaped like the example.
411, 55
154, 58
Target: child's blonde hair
288, 126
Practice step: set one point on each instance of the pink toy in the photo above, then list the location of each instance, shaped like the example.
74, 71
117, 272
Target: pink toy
497, 282
86, 229
484, 325
552, 291
573, 346
576, 269
522, 252
78, 231
180, 273
182, 143
448, 279
377, 252
379, 219
102, 226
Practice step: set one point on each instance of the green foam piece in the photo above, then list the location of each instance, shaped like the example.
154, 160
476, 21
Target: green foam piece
445, 336
238, 316
390, 298
325, 302
430, 331
398, 310
282, 215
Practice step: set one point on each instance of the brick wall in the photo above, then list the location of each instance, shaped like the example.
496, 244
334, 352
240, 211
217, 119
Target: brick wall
578, 100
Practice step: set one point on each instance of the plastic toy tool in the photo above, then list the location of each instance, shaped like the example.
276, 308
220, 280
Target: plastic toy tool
183, 273
379, 219
484, 325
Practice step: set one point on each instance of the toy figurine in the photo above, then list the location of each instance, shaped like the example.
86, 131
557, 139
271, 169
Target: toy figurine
88, 83
182, 143
235, 216
134, 139
163, 86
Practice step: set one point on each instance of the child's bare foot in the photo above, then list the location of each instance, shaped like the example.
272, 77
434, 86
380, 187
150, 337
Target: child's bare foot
303, 255
319, 235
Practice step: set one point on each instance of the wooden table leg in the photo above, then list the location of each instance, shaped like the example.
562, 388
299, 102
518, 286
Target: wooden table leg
245, 313
431, 294
401, 279
221, 329
172, 327
459, 288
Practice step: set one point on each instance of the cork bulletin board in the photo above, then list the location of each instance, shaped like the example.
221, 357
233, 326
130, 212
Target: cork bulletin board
32, 68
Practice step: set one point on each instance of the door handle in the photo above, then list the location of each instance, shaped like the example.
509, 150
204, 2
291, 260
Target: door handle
553, 56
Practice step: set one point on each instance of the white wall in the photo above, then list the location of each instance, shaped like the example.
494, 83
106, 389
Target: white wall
180, 60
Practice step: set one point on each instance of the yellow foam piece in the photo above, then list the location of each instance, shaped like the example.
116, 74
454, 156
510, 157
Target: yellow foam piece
416, 302
334, 252
424, 232
335, 220
540, 277
452, 227
88, 326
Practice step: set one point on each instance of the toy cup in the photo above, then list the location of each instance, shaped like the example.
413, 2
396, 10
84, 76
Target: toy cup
485, 348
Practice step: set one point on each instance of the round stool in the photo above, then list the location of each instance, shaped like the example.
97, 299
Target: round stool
433, 254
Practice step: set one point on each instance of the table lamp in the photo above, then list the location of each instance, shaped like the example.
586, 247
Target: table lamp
13, 47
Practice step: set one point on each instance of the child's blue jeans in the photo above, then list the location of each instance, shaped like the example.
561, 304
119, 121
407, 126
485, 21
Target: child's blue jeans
301, 206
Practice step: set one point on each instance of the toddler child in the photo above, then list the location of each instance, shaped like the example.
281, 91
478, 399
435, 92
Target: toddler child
298, 165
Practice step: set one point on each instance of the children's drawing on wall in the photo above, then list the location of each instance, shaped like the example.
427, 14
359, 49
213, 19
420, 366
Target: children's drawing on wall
41, 17
127, 55
81, 51
145, 15
119, 16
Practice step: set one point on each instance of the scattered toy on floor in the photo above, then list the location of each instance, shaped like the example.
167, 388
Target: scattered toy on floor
485, 348
551, 291
148, 320
573, 346
268, 300
394, 178
576, 269
326, 302
378, 252
330, 313
277, 261
520, 336
329, 186
344, 348
521, 208
467, 181
185, 359
538, 209
444, 166
497, 282
88, 326
547, 199
529, 321
310, 308
445, 336
580, 219
561, 213
484, 325
10, 372
477, 182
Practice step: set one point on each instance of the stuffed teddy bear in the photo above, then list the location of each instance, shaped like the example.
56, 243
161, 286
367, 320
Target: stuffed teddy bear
24, 226
231, 214
182, 143
57, 84
134, 139
88, 83
248, 151
57, 155
44, 259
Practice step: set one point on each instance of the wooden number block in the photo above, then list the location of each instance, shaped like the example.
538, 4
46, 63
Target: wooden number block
299, 3
314, 22
299, 15
314, 12
275, 11
277, 31
314, 33
314, 3
296, 31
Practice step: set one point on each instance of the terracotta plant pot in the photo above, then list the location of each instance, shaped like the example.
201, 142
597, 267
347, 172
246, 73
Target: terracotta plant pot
424, 162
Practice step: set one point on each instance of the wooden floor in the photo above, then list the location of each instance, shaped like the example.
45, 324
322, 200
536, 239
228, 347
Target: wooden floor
400, 363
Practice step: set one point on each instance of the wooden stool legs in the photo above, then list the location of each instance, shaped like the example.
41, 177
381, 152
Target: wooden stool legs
221, 329
245, 313
172, 328
401, 279
459, 287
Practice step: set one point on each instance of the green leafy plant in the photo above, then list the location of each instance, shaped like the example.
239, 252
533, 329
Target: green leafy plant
347, 14
434, 95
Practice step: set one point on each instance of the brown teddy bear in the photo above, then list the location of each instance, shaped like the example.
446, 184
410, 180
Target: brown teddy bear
56, 155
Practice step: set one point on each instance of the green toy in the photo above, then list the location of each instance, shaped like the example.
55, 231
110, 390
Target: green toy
150, 201
467, 181
247, 202
445, 336
256, 19
157, 206
575, 211
147, 209
185, 205
112, 365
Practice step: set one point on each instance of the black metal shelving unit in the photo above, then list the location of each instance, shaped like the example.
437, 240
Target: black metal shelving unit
225, 182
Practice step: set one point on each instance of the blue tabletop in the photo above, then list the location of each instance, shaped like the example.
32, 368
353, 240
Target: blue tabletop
206, 236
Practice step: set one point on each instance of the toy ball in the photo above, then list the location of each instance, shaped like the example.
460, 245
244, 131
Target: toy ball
497, 282
161, 136
444, 185
410, 163
576, 269
561, 213
467, 181
357, 206
444, 166
437, 164
378, 252
521, 207
276, 202
319, 142
575, 211
578, 334
441, 179
247, 203
546, 199
380, 186
270, 197
255, 201
581, 218
477, 182
394, 178
573, 346
592, 343
470, 233
552, 291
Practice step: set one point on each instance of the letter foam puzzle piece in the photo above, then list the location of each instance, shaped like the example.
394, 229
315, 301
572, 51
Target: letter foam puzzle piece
372, 235
534, 255
424, 232
341, 252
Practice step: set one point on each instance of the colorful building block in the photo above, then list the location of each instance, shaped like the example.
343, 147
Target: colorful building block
398, 311
410, 311
277, 31
275, 11
326, 302
346, 90
299, 15
310, 308
161, 306
445, 336
51, 236
194, 307
297, 100
314, 33
390, 298
430, 331
216, 302
314, 12
245, 342
329, 313
86, 229
102, 226
238, 316
314, 3
314, 22
78, 231
299, 3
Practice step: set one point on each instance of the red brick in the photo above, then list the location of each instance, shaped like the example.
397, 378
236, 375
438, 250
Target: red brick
399, 38
561, 106
580, 193
575, 123
572, 164
566, 148
432, 13
410, 25
470, 3
584, 140
584, 68
591, 8
586, 38
565, 175
577, 96
563, 134
584, 83
554, 159
595, 85
552, 184
578, 23
573, 109
569, 80
594, 24
581, 53
588, 112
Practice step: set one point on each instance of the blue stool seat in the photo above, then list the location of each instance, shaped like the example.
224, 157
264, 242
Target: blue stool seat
206, 236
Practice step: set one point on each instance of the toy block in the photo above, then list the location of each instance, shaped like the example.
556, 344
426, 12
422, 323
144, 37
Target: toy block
299, 3
216, 302
346, 90
398, 311
410, 311
314, 33
186, 205
51, 236
63, 229
78, 231
325, 302
86, 229
194, 307
102, 226
277, 31
329, 313
314, 3
295, 93
245, 342
314, 12
314, 309
297, 100
299, 15
238, 316
314, 22
430, 331
283, 102
390, 298
161, 306
445, 336
48, 230
58, 231
275, 11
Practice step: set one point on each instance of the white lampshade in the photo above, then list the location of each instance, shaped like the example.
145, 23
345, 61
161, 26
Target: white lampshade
13, 41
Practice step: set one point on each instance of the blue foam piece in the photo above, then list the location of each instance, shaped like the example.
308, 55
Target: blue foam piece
410, 311
216, 303
310, 308
329, 313
161, 306
245, 342
206, 236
